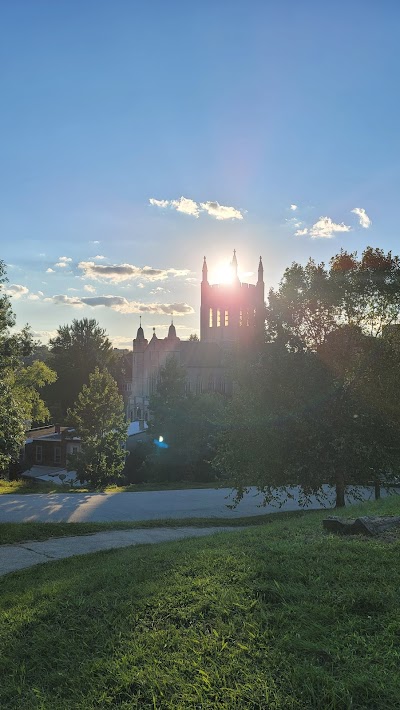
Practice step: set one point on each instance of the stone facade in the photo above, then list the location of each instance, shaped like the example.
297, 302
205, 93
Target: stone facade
229, 314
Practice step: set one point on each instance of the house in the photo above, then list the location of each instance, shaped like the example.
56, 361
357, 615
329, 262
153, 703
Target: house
50, 446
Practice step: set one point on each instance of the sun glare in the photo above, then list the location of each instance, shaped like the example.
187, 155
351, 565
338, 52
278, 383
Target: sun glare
223, 274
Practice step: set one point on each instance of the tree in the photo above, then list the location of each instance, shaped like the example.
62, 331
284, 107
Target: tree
75, 352
294, 420
194, 338
26, 381
99, 420
188, 424
13, 347
312, 301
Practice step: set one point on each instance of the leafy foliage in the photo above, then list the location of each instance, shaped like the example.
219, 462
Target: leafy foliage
75, 352
312, 301
296, 419
98, 418
188, 424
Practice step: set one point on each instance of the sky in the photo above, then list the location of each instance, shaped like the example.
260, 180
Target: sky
138, 137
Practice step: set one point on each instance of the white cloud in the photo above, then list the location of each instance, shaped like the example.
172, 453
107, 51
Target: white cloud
159, 203
40, 293
190, 207
16, 290
214, 209
363, 217
50, 271
122, 305
293, 208
325, 228
63, 261
98, 257
95, 241
33, 297
186, 205
65, 300
301, 232
89, 288
123, 272
140, 285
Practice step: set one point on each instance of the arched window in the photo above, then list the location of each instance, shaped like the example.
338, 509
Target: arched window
210, 318
218, 318
226, 322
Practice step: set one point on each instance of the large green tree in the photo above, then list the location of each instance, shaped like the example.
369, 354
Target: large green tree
299, 419
19, 397
76, 350
314, 300
98, 417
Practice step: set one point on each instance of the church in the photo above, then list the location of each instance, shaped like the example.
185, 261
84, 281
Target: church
230, 313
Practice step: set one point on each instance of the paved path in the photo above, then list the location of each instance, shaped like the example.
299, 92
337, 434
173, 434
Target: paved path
152, 505
28, 554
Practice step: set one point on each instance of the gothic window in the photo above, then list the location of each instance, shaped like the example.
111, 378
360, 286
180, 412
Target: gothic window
210, 318
226, 318
218, 318
240, 318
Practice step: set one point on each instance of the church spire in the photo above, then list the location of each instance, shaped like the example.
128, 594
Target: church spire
234, 266
205, 271
260, 272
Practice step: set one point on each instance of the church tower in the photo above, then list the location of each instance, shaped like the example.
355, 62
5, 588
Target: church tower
233, 312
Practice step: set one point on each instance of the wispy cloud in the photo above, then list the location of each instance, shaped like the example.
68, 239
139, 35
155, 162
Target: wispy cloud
363, 217
16, 290
89, 288
123, 272
98, 257
214, 209
301, 232
122, 305
50, 271
63, 261
325, 228
293, 208
190, 207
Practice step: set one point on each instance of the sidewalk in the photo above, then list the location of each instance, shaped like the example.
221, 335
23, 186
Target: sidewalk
28, 554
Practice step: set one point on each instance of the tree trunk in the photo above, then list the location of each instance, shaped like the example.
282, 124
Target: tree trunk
377, 487
340, 488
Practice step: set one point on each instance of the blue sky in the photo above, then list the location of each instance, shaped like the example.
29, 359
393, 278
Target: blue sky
241, 109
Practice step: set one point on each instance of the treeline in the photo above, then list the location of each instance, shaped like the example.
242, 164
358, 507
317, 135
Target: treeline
318, 403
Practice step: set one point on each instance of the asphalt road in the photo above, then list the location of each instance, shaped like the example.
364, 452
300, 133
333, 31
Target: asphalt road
152, 505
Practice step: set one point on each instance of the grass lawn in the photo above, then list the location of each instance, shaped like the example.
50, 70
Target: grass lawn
279, 616
21, 532
25, 486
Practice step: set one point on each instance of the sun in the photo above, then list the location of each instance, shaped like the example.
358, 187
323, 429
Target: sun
223, 274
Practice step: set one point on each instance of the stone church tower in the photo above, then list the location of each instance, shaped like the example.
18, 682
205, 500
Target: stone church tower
230, 313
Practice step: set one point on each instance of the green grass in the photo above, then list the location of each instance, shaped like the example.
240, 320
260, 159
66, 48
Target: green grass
23, 486
277, 617
21, 532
